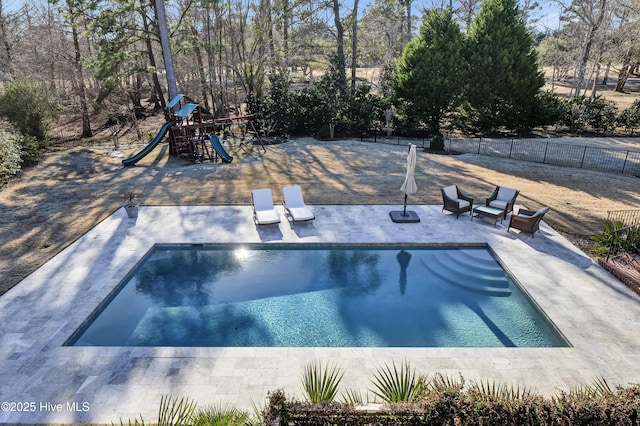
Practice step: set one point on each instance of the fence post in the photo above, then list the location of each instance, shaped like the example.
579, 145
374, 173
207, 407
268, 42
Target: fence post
544, 158
511, 148
584, 152
624, 165
479, 142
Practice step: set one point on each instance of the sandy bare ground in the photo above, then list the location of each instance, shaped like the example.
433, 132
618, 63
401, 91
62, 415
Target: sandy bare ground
71, 190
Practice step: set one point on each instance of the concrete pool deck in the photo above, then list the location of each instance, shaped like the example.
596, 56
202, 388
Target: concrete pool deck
42, 381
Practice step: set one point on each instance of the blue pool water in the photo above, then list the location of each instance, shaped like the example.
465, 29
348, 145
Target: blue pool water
319, 296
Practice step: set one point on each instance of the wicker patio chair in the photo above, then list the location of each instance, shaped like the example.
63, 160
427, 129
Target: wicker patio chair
503, 198
527, 220
456, 201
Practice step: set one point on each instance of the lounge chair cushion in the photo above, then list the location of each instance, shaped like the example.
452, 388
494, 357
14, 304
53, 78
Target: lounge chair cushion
506, 194
498, 204
264, 211
301, 213
451, 192
266, 217
294, 203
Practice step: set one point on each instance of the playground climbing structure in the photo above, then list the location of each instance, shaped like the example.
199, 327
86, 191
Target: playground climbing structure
192, 132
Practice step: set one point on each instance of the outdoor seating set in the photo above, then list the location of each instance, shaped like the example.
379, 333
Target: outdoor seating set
264, 212
496, 207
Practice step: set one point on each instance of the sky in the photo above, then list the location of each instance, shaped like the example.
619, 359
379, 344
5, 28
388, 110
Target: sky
547, 15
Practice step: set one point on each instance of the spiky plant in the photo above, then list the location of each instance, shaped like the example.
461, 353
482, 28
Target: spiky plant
401, 384
220, 415
352, 396
172, 412
445, 384
493, 390
175, 411
130, 422
321, 384
598, 389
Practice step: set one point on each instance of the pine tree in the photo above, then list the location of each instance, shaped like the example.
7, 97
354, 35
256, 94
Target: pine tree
431, 69
503, 65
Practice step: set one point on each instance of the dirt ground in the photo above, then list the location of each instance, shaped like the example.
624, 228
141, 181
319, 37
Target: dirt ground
74, 188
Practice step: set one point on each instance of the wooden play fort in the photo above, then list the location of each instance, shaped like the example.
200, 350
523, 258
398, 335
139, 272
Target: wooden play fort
193, 133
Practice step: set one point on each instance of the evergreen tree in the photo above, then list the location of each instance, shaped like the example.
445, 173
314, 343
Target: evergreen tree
430, 71
503, 65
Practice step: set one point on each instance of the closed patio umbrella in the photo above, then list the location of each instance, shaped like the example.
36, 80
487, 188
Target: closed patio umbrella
408, 187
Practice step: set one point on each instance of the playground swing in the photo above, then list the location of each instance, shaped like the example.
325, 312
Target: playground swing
191, 134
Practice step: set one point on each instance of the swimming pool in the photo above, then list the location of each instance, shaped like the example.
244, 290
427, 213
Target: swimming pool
302, 295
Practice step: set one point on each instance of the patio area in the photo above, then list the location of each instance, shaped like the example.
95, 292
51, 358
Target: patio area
597, 314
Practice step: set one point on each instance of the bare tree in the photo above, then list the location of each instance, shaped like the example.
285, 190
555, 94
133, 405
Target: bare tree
354, 45
5, 48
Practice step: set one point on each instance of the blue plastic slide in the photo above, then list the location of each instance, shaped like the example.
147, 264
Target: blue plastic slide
215, 144
131, 161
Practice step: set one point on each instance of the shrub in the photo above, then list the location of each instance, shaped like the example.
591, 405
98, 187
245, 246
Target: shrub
364, 111
600, 114
549, 109
275, 111
437, 142
596, 113
29, 105
616, 237
446, 403
630, 117
220, 415
10, 159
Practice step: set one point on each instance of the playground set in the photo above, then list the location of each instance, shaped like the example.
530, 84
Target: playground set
193, 133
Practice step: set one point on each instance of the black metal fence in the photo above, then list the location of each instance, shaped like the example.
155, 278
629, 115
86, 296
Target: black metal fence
560, 154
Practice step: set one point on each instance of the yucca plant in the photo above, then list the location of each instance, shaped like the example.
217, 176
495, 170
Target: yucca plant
598, 389
352, 396
494, 390
321, 384
220, 415
402, 384
175, 411
172, 412
445, 384
611, 240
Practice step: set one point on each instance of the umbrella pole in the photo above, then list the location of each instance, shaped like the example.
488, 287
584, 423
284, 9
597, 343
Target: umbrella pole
404, 211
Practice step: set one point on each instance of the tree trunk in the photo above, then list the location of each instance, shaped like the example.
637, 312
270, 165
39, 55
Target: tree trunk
159, 101
623, 75
82, 91
594, 87
354, 47
625, 69
586, 52
272, 48
340, 40
285, 32
406, 32
200, 62
161, 18
605, 79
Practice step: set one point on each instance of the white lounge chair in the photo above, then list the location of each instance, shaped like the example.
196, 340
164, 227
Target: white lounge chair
264, 213
295, 206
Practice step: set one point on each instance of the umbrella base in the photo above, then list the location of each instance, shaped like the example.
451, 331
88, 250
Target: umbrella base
410, 217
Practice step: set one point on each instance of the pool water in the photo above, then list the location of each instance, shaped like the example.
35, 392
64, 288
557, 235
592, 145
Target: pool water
319, 296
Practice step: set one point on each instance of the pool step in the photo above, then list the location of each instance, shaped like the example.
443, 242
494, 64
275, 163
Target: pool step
460, 264
472, 270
